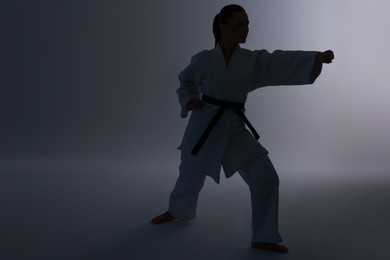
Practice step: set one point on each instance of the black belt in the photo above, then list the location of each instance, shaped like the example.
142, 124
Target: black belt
237, 107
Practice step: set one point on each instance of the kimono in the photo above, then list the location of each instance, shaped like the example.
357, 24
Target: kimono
230, 144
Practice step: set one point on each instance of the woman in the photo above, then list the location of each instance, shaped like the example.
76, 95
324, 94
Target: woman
214, 87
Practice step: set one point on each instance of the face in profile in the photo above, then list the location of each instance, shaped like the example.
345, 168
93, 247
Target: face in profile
236, 29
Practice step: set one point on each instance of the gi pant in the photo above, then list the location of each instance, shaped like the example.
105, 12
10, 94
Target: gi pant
263, 182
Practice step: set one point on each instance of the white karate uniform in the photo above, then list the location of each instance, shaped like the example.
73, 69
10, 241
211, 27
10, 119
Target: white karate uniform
230, 144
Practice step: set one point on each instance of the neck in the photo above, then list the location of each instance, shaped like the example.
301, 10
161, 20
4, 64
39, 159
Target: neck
228, 47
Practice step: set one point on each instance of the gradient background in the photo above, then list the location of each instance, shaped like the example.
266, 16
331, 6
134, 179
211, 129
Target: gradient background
89, 116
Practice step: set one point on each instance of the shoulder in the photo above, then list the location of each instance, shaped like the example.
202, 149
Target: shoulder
200, 59
254, 56
254, 53
201, 54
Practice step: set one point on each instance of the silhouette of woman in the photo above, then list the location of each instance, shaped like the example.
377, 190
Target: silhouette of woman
214, 87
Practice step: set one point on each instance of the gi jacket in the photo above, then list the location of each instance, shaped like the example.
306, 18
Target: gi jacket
230, 144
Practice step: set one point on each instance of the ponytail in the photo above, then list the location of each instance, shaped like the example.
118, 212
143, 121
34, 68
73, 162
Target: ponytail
216, 30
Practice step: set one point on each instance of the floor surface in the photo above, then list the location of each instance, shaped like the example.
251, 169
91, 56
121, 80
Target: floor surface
100, 209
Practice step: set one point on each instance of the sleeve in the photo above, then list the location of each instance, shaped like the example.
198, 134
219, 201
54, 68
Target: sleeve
190, 79
285, 68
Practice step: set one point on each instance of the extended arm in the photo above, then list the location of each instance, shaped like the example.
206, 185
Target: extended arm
289, 67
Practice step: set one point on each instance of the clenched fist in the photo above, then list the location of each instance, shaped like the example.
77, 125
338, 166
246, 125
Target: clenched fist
325, 57
194, 104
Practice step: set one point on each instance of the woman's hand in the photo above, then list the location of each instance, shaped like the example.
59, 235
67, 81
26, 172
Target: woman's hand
325, 57
194, 104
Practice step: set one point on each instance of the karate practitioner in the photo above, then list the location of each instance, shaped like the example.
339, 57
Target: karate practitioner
214, 87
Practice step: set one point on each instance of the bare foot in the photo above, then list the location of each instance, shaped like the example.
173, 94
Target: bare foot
270, 246
165, 217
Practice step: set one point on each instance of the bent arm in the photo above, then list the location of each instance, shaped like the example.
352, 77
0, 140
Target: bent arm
189, 89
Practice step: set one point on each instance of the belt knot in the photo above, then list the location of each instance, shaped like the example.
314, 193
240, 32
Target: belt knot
237, 107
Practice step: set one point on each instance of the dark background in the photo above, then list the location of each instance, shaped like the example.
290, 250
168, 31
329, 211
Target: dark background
89, 125
99, 77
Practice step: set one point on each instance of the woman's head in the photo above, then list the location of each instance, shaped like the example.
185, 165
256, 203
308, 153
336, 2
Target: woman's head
231, 24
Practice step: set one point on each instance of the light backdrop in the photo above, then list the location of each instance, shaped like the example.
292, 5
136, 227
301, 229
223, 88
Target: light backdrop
86, 78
